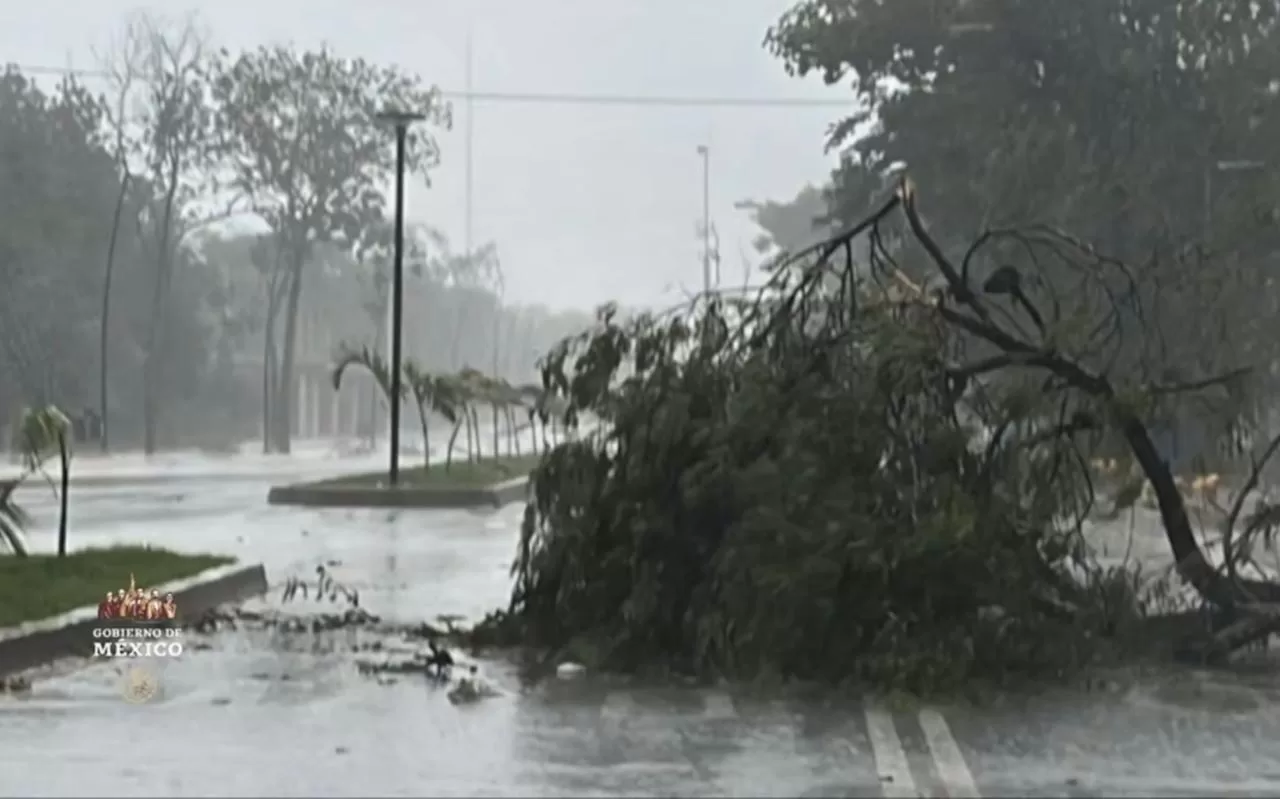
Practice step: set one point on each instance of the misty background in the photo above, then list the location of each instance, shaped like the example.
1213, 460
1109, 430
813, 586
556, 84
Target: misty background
575, 175
587, 202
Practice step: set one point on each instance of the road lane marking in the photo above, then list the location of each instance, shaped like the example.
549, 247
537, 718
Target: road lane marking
891, 760
956, 778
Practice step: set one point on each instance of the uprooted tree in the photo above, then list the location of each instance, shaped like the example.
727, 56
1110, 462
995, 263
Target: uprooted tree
874, 468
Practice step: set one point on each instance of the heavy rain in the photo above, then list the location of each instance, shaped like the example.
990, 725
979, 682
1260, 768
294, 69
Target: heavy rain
778, 398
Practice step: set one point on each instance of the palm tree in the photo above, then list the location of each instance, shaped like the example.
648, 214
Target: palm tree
12, 519
453, 394
549, 407
432, 394
473, 387
530, 395
509, 399
41, 433
348, 356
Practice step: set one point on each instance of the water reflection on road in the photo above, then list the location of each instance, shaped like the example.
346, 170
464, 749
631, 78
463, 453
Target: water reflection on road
262, 711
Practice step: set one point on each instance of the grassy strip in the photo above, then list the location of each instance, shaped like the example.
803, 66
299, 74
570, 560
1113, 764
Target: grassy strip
459, 475
42, 586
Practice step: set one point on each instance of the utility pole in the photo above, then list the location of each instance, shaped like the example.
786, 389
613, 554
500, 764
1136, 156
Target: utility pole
401, 120
705, 152
468, 145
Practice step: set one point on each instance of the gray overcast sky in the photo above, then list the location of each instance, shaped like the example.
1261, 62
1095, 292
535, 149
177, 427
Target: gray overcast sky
586, 203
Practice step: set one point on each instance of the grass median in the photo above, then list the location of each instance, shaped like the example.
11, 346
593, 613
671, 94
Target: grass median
480, 474
41, 586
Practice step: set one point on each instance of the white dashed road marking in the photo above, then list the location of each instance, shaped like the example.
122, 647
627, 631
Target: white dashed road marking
891, 761
955, 775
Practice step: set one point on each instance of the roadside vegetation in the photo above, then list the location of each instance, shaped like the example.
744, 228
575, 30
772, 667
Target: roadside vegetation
463, 399
38, 587
480, 473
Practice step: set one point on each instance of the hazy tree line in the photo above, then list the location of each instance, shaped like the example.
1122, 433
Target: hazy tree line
130, 286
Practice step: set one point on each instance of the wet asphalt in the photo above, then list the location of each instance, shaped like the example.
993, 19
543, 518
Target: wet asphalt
258, 711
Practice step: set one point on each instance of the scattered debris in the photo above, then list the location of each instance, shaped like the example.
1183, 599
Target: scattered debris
326, 588
220, 619
471, 688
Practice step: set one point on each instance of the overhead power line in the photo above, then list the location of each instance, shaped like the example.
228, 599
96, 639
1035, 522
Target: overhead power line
557, 98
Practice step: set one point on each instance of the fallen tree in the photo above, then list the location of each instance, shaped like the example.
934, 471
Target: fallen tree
870, 469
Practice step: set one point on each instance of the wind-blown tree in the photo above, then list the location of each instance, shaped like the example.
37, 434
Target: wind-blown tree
303, 145
175, 157
367, 359
62, 180
123, 64
431, 394
1028, 92
41, 433
13, 520
55, 177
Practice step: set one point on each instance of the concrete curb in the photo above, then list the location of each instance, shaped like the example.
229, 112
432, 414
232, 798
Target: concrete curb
71, 635
319, 495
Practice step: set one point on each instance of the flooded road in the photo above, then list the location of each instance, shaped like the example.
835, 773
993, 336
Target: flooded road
266, 712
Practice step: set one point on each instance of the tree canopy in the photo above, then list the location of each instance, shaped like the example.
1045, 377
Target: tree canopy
1147, 129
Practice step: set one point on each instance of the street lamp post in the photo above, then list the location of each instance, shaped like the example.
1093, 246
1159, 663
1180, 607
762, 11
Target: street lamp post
705, 152
401, 120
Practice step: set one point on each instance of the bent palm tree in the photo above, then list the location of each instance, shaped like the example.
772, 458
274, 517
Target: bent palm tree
530, 398
348, 356
474, 389
421, 387
41, 433
432, 394
452, 396
13, 519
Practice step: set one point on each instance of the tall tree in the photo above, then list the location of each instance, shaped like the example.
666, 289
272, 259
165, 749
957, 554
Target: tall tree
176, 120
305, 148
123, 63
55, 177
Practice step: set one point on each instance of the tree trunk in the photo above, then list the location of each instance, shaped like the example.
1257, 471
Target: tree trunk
64, 456
513, 442
471, 449
104, 322
151, 363
497, 433
453, 439
270, 363
1192, 565
268, 377
477, 453
283, 411
426, 436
